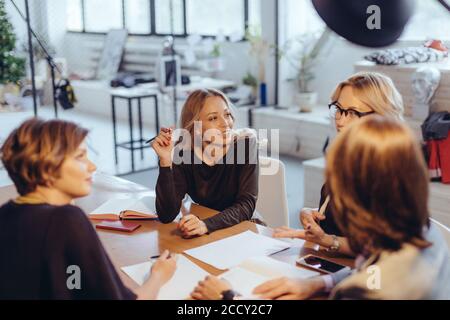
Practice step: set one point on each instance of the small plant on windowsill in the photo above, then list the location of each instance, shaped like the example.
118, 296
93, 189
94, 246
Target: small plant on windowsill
214, 62
303, 54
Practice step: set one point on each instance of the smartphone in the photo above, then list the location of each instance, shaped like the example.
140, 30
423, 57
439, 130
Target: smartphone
320, 264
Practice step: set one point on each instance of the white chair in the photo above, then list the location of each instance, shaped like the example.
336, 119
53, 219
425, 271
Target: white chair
272, 202
444, 230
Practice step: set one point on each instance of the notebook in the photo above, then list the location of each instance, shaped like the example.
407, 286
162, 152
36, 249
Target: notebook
183, 282
129, 209
125, 226
255, 271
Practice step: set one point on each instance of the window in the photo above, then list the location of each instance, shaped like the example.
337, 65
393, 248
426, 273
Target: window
153, 17
74, 15
202, 20
163, 18
102, 15
137, 16
254, 11
301, 18
430, 20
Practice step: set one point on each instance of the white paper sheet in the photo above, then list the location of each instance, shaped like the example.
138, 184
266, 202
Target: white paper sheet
184, 280
232, 251
243, 281
255, 271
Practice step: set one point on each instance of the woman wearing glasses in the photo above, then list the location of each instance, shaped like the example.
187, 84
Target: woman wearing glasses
361, 95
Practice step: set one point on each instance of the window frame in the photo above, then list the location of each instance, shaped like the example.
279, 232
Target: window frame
152, 19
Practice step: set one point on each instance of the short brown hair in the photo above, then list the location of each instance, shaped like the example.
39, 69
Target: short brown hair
378, 181
34, 152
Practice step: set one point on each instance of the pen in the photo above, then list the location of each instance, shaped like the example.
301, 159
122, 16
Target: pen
151, 140
157, 257
164, 130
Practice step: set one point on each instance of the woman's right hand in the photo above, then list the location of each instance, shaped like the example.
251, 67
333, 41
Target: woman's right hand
163, 146
164, 268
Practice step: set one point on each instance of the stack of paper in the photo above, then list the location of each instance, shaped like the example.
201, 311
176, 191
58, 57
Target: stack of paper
183, 282
232, 251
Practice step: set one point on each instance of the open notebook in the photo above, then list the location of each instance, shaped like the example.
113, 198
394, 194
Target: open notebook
185, 279
255, 271
116, 209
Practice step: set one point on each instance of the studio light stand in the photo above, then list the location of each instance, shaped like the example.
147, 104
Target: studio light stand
51, 63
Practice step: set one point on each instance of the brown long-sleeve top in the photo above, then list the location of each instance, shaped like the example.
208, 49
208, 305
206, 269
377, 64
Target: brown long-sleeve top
231, 186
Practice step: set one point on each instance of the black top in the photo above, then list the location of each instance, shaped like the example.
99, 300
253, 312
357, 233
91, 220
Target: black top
329, 224
38, 246
230, 186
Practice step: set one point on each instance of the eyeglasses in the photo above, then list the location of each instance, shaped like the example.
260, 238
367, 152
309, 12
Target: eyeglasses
336, 112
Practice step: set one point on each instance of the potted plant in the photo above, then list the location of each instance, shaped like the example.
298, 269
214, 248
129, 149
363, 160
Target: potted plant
214, 62
303, 54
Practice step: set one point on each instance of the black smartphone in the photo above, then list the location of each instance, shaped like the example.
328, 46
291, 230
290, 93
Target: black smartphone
320, 264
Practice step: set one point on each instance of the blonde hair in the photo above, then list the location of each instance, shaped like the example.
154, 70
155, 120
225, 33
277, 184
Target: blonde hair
194, 105
378, 181
375, 90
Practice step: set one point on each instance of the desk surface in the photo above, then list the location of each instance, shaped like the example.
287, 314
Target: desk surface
153, 237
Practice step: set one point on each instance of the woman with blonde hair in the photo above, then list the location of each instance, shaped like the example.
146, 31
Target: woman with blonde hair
45, 240
211, 164
363, 94
379, 184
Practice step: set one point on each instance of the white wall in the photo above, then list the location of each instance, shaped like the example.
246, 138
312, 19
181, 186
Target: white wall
332, 69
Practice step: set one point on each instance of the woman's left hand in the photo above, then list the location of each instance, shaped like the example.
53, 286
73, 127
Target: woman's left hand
191, 225
210, 289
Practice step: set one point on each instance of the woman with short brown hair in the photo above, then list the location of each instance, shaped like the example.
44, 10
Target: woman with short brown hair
43, 237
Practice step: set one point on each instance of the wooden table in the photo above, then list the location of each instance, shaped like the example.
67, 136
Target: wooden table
154, 237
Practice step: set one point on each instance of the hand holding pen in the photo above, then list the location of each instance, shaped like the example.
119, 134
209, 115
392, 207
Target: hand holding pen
163, 146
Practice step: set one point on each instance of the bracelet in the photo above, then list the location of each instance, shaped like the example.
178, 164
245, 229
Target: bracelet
336, 244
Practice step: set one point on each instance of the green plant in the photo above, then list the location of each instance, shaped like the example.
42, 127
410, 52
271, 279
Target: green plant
250, 80
12, 68
216, 53
303, 54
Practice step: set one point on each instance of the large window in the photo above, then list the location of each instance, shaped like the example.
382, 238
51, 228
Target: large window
164, 20
230, 20
102, 15
163, 17
137, 16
